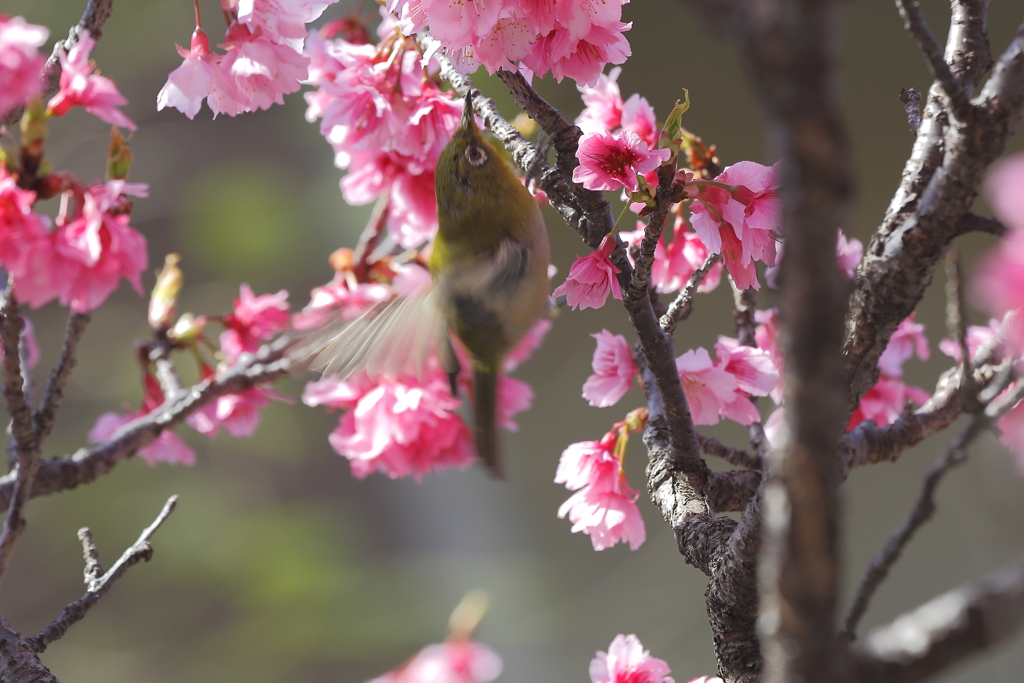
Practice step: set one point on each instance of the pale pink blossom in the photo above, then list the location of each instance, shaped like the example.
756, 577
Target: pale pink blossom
999, 286
281, 20
340, 297
767, 336
885, 402
238, 414
603, 110
708, 388
638, 116
513, 397
707, 679
1011, 432
21, 63
591, 279
977, 336
166, 448
1004, 190
755, 375
581, 59
610, 161
849, 252
197, 77
628, 662
454, 661
80, 87
739, 223
604, 505
613, 370
907, 341
774, 426
525, 347
401, 428
263, 71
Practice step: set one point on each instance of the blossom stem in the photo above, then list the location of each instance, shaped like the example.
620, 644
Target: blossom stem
199, 23
618, 220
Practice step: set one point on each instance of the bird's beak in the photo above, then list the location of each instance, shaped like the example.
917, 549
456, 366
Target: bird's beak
468, 122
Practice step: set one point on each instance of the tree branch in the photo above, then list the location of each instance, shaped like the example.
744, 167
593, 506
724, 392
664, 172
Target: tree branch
914, 23
20, 663
43, 417
98, 584
681, 307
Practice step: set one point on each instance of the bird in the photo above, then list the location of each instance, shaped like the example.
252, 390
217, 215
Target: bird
489, 285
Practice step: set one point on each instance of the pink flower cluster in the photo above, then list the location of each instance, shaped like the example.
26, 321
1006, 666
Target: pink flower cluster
723, 388
737, 215
628, 662
591, 279
80, 87
387, 123
262, 59
454, 661
81, 262
603, 505
574, 39
675, 263
404, 426
21, 63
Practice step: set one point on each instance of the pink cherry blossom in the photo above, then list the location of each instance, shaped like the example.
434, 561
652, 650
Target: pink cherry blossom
999, 286
767, 336
401, 428
80, 87
1005, 190
454, 661
638, 116
849, 252
755, 375
905, 342
238, 414
514, 396
21, 63
530, 342
20, 227
674, 264
581, 59
197, 78
708, 388
603, 110
82, 262
604, 505
262, 70
336, 298
591, 279
739, 223
611, 161
166, 448
707, 679
628, 662
885, 402
977, 336
253, 320
613, 370
283, 21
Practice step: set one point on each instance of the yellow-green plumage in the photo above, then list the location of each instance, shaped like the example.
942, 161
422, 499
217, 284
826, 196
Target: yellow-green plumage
489, 264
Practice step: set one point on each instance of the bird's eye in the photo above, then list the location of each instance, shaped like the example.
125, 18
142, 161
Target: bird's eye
476, 156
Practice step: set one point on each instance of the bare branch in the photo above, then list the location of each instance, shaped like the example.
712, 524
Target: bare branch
733, 456
637, 287
20, 662
914, 23
972, 222
946, 629
88, 464
682, 306
43, 417
956, 324
97, 585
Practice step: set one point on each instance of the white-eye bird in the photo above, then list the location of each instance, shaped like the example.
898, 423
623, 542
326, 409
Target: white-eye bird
489, 273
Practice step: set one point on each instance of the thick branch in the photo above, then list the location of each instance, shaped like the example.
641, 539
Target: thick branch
97, 585
19, 663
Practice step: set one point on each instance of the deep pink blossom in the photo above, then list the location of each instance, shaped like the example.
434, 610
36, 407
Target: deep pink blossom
253, 320
82, 262
197, 77
885, 401
166, 448
454, 661
755, 375
739, 223
708, 388
401, 428
591, 279
1004, 189
628, 662
908, 340
20, 227
675, 263
603, 110
238, 414
613, 370
21, 63
80, 87
604, 505
610, 161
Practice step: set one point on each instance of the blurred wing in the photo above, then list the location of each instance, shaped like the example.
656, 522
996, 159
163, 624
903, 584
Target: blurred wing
395, 338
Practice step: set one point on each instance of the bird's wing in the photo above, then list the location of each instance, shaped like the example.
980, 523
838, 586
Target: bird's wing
392, 339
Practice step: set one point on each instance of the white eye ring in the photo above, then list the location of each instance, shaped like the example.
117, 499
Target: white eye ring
476, 156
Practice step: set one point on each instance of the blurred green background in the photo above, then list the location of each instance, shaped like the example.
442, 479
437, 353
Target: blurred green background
278, 565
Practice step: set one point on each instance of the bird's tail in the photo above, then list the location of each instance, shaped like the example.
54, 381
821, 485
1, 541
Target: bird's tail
485, 390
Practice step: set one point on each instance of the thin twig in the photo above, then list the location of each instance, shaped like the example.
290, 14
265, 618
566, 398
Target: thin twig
22, 435
97, 585
652, 234
159, 353
914, 23
972, 222
682, 306
733, 456
370, 238
43, 417
956, 325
